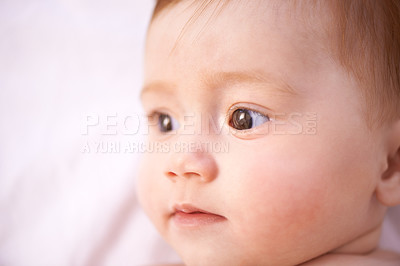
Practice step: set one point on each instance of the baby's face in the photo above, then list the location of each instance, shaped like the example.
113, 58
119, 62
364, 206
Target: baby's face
297, 175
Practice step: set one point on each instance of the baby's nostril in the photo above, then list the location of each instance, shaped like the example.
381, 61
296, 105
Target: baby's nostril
171, 174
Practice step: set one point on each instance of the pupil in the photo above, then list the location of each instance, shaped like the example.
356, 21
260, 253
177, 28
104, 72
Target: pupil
241, 119
165, 122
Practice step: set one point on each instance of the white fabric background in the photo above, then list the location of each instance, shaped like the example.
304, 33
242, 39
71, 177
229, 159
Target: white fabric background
61, 60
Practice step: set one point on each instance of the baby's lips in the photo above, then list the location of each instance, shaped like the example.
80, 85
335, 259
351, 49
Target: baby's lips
189, 208
187, 216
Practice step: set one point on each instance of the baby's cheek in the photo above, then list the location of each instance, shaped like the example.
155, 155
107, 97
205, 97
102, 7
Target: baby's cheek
300, 210
149, 192
144, 187
281, 208
289, 205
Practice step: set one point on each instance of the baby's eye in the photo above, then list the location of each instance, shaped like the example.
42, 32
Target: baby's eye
167, 123
243, 119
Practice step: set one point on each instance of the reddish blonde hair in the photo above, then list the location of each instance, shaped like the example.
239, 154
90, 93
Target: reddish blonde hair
366, 41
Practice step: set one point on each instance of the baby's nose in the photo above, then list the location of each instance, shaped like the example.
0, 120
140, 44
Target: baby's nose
188, 164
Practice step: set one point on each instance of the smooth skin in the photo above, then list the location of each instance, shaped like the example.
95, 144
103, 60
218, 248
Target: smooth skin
288, 196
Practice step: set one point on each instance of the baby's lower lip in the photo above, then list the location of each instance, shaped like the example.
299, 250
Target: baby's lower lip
194, 219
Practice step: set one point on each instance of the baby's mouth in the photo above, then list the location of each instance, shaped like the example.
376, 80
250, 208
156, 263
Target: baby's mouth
187, 215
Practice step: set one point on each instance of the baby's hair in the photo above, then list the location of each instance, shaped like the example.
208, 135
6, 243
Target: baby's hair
365, 40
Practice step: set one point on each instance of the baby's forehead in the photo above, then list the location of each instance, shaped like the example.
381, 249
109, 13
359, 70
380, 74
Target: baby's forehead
237, 34
300, 16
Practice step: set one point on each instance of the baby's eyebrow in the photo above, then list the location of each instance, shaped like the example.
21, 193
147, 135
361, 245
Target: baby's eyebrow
156, 87
219, 79
224, 78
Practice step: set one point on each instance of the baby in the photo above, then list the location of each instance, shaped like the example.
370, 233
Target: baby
305, 96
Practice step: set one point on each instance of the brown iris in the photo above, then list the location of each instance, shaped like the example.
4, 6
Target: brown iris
241, 119
165, 123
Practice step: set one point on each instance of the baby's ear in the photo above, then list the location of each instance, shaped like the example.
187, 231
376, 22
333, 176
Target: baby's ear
388, 189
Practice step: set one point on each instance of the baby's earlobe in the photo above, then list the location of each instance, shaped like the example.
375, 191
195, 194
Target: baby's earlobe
388, 191
388, 188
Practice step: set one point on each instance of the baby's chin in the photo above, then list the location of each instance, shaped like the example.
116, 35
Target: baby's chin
377, 257
361, 251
